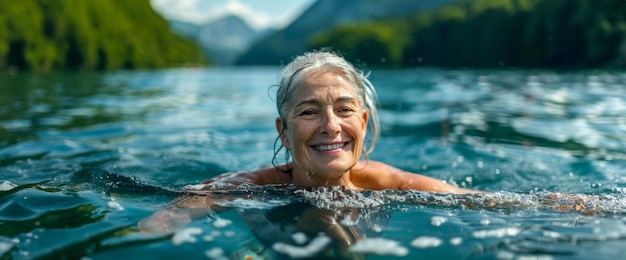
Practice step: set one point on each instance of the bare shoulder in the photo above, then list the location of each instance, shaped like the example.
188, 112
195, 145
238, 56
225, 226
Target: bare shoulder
271, 175
375, 168
378, 175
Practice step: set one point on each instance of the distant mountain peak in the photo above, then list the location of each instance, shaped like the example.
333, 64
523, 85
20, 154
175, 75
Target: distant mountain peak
223, 39
230, 20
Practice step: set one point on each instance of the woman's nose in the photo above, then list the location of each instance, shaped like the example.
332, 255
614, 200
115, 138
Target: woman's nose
330, 123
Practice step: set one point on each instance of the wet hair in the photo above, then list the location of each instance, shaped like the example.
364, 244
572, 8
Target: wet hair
323, 60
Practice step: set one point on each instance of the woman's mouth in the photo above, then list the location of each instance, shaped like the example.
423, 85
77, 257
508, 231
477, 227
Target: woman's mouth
329, 147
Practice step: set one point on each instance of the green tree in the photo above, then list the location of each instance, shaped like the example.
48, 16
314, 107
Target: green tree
370, 43
107, 34
491, 33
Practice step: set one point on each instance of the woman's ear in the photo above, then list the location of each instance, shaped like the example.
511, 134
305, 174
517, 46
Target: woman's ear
281, 132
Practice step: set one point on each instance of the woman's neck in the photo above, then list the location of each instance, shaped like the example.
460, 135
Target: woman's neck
306, 178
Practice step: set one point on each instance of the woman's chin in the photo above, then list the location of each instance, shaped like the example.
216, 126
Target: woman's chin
327, 167
332, 171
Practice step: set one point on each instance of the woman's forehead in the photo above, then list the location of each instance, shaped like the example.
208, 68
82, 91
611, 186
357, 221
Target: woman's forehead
326, 82
321, 78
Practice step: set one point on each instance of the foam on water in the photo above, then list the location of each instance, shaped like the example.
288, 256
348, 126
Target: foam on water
212, 236
341, 197
221, 222
299, 237
455, 241
6, 185
5, 245
338, 197
115, 205
187, 235
379, 246
260, 197
426, 242
215, 253
509, 201
500, 232
314, 247
438, 221
194, 187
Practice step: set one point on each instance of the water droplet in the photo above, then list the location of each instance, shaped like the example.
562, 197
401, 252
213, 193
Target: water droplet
221, 222
299, 237
214, 253
186, 235
315, 246
438, 220
426, 242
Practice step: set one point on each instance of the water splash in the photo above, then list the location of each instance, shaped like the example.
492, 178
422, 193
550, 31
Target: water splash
341, 197
265, 197
507, 202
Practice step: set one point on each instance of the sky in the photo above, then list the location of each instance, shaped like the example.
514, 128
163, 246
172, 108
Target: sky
259, 14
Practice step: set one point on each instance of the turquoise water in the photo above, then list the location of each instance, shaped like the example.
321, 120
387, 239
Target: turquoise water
85, 156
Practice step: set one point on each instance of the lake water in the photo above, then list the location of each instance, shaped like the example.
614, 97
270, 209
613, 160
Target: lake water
85, 156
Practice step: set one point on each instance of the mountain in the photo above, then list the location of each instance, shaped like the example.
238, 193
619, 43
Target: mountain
223, 40
280, 46
227, 38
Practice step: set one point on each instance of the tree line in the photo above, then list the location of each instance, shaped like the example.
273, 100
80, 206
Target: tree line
491, 33
94, 35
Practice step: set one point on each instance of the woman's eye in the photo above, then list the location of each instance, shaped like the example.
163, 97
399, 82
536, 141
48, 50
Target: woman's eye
307, 113
346, 110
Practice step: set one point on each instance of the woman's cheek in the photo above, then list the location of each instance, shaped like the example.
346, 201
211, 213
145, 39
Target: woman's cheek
298, 137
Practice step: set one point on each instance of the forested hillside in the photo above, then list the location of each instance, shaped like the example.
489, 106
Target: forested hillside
492, 33
282, 45
102, 34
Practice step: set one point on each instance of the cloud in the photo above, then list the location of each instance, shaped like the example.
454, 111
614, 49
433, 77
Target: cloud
198, 11
258, 13
185, 10
255, 18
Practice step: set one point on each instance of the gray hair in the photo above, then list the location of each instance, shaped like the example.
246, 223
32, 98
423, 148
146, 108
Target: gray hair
298, 69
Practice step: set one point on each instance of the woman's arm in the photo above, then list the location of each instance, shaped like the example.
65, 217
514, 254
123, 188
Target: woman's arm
261, 176
195, 205
414, 181
179, 213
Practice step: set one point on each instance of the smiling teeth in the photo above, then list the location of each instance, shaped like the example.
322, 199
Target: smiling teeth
329, 147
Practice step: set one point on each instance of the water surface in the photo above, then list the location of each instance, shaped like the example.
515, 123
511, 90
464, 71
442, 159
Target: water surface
85, 156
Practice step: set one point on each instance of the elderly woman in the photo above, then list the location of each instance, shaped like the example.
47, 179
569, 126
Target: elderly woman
324, 106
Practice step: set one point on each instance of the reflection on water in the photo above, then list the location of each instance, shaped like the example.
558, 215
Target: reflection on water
84, 156
301, 229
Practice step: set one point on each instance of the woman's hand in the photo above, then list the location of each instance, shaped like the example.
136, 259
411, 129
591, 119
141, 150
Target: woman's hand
180, 213
165, 221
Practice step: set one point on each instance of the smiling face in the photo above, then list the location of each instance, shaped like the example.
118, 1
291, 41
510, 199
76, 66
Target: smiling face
326, 125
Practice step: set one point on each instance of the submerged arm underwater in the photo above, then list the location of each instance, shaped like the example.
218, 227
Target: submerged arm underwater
179, 213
